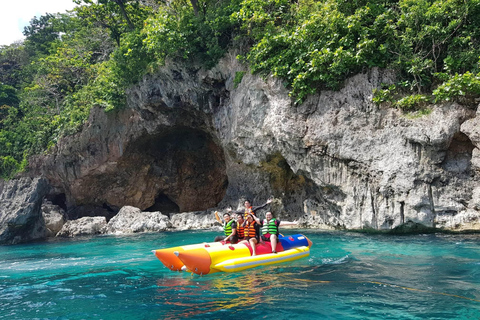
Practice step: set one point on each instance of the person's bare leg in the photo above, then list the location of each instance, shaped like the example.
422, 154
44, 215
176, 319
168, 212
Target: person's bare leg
253, 243
273, 242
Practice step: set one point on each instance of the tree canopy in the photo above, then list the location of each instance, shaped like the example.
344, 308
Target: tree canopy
88, 57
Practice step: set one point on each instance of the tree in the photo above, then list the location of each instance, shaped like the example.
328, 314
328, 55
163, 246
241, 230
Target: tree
40, 35
117, 16
13, 58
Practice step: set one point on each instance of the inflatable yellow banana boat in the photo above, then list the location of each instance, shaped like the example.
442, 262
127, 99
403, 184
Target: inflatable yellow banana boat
217, 256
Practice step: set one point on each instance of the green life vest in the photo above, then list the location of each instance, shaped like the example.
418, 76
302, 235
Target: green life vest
228, 228
269, 227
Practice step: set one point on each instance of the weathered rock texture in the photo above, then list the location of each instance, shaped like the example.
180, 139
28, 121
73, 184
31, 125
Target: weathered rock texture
194, 221
54, 218
133, 220
85, 226
191, 140
20, 210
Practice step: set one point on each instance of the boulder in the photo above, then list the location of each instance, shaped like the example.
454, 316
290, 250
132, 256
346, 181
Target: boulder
85, 226
54, 217
20, 210
193, 221
132, 220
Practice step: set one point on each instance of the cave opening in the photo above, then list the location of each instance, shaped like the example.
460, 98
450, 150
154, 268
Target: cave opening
459, 154
58, 199
164, 204
178, 170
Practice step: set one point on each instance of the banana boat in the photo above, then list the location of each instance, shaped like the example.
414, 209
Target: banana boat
171, 261
214, 257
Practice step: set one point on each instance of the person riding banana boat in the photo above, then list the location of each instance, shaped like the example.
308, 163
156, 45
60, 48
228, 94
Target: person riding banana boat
263, 245
250, 209
269, 229
229, 229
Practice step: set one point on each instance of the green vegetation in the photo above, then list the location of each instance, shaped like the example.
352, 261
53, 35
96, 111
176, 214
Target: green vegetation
71, 62
238, 78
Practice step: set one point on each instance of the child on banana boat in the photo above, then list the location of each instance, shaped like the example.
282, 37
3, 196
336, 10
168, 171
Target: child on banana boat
251, 233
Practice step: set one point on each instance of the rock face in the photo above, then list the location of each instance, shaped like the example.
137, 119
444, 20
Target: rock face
85, 226
193, 221
191, 140
54, 218
133, 220
20, 210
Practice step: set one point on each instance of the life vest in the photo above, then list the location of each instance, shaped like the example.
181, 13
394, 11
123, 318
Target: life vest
269, 226
228, 228
249, 229
240, 231
247, 212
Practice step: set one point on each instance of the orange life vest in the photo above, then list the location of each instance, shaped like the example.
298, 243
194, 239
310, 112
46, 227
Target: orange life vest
247, 212
249, 229
240, 231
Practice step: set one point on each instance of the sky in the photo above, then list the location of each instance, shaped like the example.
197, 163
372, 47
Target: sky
17, 14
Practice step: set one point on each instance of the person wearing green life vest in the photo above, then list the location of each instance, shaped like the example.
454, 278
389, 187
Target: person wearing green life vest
269, 229
229, 229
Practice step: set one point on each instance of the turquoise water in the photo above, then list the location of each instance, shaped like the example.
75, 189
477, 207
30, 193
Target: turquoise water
347, 276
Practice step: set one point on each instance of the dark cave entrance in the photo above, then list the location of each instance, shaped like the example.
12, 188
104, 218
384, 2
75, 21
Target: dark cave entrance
459, 154
58, 199
186, 170
164, 204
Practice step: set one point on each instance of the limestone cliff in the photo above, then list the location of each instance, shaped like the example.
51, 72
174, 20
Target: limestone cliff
192, 139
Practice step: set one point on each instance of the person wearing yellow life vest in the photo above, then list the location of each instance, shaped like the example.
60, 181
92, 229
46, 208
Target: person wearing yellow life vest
269, 229
251, 232
229, 229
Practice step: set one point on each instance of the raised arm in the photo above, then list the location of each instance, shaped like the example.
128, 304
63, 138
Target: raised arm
288, 223
262, 206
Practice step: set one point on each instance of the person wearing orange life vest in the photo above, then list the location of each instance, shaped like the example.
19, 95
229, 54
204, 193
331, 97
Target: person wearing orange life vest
251, 232
269, 229
240, 227
252, 210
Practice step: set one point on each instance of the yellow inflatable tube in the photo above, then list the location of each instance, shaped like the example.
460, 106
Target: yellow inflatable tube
239, 264
201, 260
213, 257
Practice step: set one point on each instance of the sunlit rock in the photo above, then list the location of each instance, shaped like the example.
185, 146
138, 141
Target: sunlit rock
132, 220
54, 218
194, 221
190, 140
85, 226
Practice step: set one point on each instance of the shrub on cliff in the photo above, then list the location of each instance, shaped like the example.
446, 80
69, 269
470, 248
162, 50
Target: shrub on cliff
71, 62
315, 44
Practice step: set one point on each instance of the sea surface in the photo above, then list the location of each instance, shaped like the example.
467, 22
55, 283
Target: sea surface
347, 276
